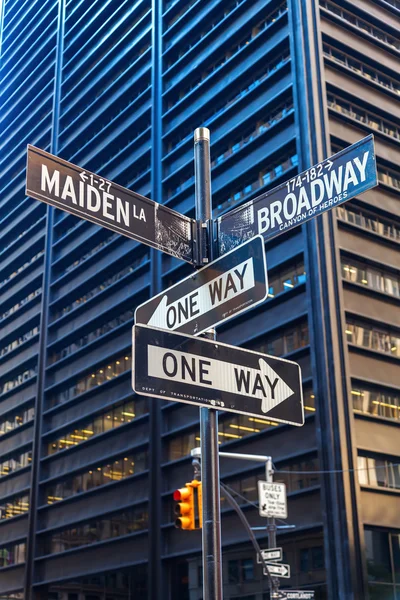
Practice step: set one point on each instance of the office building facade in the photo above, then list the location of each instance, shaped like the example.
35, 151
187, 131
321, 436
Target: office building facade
87, 467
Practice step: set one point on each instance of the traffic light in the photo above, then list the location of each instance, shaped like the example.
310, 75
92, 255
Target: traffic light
188, 507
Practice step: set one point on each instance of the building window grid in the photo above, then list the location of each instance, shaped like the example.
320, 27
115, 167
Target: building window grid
373, 278
16, 419
20, 304
275, 116
183, 133
362, 69
270, 175
98, 530
22, 268
103, 374
264, 177
377, 403
116, 470
369, 221
291, 339
269, 68
114, 417
102, 286
12, 554
15, 462
18, 380
211, 24
361, 24
378, 472
14, 507
366, 117
230, 427
22, 339
368, 336
25, 231
286, 279
76, 345
389, 177
90, 253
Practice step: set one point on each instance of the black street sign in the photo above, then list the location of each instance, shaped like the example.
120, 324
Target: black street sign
272, 554
278, 570
91, 197
293, 595
175, 366
223, 289
311, 193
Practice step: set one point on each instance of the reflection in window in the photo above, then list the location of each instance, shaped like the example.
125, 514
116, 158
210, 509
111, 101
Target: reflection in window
17, 381
379, 472
16, 419
14, 507
286, 280
15, 462
378, 403
367, 336
380, 563
376, 279
389, 177
98, 530
110, 419
361, 68
369, 221
12, 554
102, 286
241, 570
93, 335
122, 467
291, 474
105, 373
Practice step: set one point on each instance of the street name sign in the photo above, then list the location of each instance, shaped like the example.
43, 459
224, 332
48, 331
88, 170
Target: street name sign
293, 595
311, 193
271, 554
272, 499
223, 289
278, 570
100, 201
176, 366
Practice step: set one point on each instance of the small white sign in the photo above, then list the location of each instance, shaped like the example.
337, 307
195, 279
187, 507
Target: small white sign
272, 499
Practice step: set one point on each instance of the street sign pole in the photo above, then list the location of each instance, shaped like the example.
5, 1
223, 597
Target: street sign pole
211, 531
271, 525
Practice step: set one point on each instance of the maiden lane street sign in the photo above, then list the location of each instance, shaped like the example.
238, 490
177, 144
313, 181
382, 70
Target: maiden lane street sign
86, 195
311, 193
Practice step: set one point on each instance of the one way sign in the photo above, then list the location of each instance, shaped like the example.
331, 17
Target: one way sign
223, 289
174, 366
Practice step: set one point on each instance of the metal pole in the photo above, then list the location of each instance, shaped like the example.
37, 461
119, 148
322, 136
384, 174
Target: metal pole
211, 531
271, 526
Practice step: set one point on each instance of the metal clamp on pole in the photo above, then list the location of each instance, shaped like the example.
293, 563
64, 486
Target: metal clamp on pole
211, 531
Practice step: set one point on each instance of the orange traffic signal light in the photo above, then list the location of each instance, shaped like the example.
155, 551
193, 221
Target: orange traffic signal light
184, 509
188, 508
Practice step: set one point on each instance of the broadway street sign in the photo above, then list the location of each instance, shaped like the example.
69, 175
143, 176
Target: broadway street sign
86, 195
175, 366
293, 595
271, 554
280, 570
223, 289
330, 183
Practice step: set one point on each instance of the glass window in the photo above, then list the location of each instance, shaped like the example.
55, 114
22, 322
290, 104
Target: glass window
378, 555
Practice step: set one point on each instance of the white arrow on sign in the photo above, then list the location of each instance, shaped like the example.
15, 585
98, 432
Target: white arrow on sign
184, 367
270, 554
278, 570
221, 289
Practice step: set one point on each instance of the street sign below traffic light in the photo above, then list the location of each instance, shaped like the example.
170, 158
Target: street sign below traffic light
188, 506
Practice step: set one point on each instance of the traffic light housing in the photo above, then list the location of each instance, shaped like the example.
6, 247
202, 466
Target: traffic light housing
188, 506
